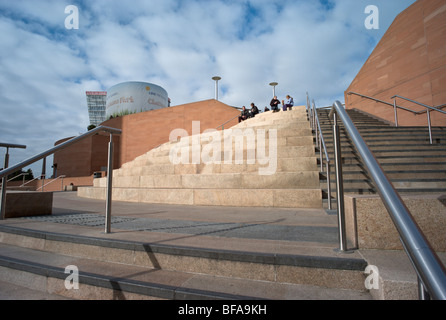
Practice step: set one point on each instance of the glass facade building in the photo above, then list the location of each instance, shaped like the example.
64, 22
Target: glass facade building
96, 101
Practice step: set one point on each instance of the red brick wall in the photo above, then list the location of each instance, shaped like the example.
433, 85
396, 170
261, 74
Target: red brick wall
141, 132
410, 61
53, 185
85, 157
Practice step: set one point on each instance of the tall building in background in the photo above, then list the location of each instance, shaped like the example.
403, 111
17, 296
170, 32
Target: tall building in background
97, 101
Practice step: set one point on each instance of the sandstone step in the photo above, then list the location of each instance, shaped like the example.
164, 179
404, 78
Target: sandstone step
192, 155
280, 180
283, 165
280, 198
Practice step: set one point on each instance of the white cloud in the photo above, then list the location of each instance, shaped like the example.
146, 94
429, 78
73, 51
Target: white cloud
45, 69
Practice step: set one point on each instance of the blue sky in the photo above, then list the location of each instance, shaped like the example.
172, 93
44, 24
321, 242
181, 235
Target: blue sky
45, 69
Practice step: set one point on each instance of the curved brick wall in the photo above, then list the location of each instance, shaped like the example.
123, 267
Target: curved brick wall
410, 61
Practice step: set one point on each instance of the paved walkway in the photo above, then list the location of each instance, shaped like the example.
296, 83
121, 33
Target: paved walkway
248, 223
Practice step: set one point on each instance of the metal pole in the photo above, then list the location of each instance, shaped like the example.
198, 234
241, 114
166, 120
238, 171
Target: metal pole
429, 125
339, 186
4, 182
423, 294
216, 79
314, 117
42, 176
108, 205
329, 186
320, 159
395, 111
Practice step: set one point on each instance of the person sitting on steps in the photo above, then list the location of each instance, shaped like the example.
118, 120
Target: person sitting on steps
244, 115
275, 104
254, 110
288, 103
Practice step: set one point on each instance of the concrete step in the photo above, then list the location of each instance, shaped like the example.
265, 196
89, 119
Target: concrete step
279, 198
206, 153
111, 269
191, 155
415, 174
411, 183
282, 180
283, 165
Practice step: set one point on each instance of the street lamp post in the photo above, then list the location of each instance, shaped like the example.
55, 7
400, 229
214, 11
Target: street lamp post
216, 79
274, 84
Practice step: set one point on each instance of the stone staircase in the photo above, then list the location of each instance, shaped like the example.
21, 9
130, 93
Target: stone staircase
266, 161
412, 164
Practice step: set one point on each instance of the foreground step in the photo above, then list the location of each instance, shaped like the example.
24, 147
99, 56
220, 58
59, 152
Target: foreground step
122, 269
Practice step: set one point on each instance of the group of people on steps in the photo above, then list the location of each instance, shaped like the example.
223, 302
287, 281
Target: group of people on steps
287, 104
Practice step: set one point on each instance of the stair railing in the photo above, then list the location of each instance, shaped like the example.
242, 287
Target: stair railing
430, 271
428, 110
42, 156
396, 107
320, 144
24, 184
52, 181
222, 126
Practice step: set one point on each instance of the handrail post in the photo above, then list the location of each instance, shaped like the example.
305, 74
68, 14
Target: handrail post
429, 125
329, 185
108, 205
4, 182
423, 294
396, 112
43, 175
339, 185
316, 127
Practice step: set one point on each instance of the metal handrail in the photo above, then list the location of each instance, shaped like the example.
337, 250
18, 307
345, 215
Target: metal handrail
430, 270
24, 184
441, 106
43, 155
223, 125
396, 107
322, 145
22, 174
52, 181
381, 101
419, 103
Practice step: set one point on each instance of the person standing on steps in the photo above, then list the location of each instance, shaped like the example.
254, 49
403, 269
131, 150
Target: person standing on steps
275, 104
